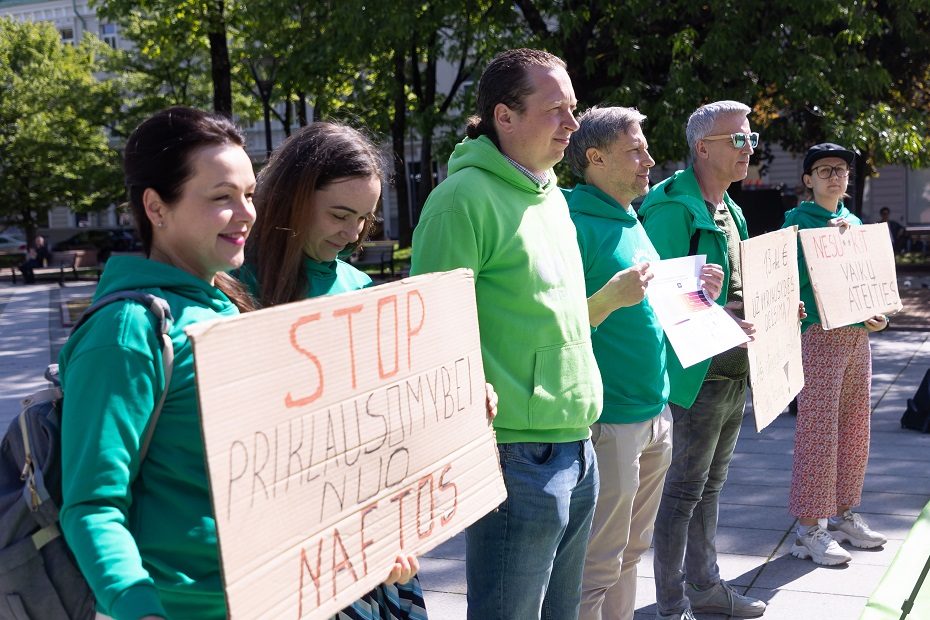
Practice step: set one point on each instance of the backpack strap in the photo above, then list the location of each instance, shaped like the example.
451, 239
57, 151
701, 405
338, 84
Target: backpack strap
159, 307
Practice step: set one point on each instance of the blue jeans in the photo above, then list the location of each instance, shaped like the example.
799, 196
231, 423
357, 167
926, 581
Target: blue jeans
524, 560
703, 440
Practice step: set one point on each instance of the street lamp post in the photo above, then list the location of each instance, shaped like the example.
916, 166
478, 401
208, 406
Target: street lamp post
263, 71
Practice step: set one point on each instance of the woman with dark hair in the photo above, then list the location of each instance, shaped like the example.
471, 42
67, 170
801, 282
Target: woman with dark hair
143, 531
317, 197
831, 441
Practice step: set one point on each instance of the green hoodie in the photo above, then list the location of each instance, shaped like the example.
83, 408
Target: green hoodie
812, 215
330, 278
518, 239
672, 213
611, 240
145, 538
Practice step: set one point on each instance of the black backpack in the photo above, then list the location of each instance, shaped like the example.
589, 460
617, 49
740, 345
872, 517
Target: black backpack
39, 577
917, 414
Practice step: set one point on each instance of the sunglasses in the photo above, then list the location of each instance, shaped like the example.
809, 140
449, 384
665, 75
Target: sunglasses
738, 140
825, 172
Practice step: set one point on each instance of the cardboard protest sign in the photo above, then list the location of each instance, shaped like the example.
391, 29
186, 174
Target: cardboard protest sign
771, 294
852, 273
339, 431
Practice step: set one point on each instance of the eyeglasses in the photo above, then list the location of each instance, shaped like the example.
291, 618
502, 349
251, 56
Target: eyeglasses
825, 172
738, 140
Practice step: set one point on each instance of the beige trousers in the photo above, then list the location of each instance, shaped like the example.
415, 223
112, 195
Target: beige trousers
632, 460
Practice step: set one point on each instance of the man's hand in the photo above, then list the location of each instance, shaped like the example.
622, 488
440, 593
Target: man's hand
490, 401
712, 280
405, 567
748, 327
625, 288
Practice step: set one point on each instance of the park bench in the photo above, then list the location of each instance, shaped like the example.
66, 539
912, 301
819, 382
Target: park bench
68, 262
380, 253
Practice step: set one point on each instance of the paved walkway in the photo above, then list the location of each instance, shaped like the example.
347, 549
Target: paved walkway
755, 529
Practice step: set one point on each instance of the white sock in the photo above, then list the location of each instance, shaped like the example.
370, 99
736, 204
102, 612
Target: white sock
836, 519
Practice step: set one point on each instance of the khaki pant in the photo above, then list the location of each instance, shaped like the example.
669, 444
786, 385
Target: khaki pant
632, 461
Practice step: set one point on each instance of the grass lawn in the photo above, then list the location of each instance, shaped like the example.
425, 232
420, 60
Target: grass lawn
912, 259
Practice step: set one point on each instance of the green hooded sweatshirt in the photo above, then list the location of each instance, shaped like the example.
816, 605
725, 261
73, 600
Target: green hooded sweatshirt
143, 533
811, 215
672, 213
329, 278
611, 240
518, 239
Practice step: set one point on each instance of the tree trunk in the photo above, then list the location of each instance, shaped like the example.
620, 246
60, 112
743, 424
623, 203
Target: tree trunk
302, 109
398, 132
219, 59
427, 108
860, 173
426, 184
288, 116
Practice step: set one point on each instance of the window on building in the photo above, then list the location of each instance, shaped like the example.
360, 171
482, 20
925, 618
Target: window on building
108, 34
67, 35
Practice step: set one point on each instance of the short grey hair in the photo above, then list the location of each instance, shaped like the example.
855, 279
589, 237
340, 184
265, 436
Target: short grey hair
598, 127
701, 122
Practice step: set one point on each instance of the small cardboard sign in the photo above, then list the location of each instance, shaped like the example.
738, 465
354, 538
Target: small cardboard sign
339, 431
771, 295
852, 273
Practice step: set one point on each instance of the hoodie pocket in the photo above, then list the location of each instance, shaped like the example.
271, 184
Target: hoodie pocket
566, 384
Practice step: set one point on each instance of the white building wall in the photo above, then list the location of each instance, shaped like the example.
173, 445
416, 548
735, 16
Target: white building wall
784, 169
886, 189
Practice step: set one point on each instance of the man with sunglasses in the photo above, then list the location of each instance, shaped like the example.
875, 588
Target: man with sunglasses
690, 213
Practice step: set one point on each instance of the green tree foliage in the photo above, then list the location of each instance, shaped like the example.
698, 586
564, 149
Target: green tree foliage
853, 71
53, 149
404, 49
180, 57
353, 61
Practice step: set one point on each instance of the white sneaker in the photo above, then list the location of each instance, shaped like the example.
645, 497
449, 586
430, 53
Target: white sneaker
817, 544
851, 527
685, 615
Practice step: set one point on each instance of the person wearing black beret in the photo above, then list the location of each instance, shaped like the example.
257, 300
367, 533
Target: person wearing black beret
831, 446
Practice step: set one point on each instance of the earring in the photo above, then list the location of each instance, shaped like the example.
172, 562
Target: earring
160, 224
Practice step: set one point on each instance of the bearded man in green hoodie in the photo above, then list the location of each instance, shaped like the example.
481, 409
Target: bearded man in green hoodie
501, 215
690, 213
633, 436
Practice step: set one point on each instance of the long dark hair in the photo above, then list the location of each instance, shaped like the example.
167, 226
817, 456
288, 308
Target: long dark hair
309, 160
159, 154
505, 80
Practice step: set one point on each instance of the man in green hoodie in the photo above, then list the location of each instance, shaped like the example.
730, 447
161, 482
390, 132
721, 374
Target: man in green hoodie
690, 213
632, 438
501, 215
